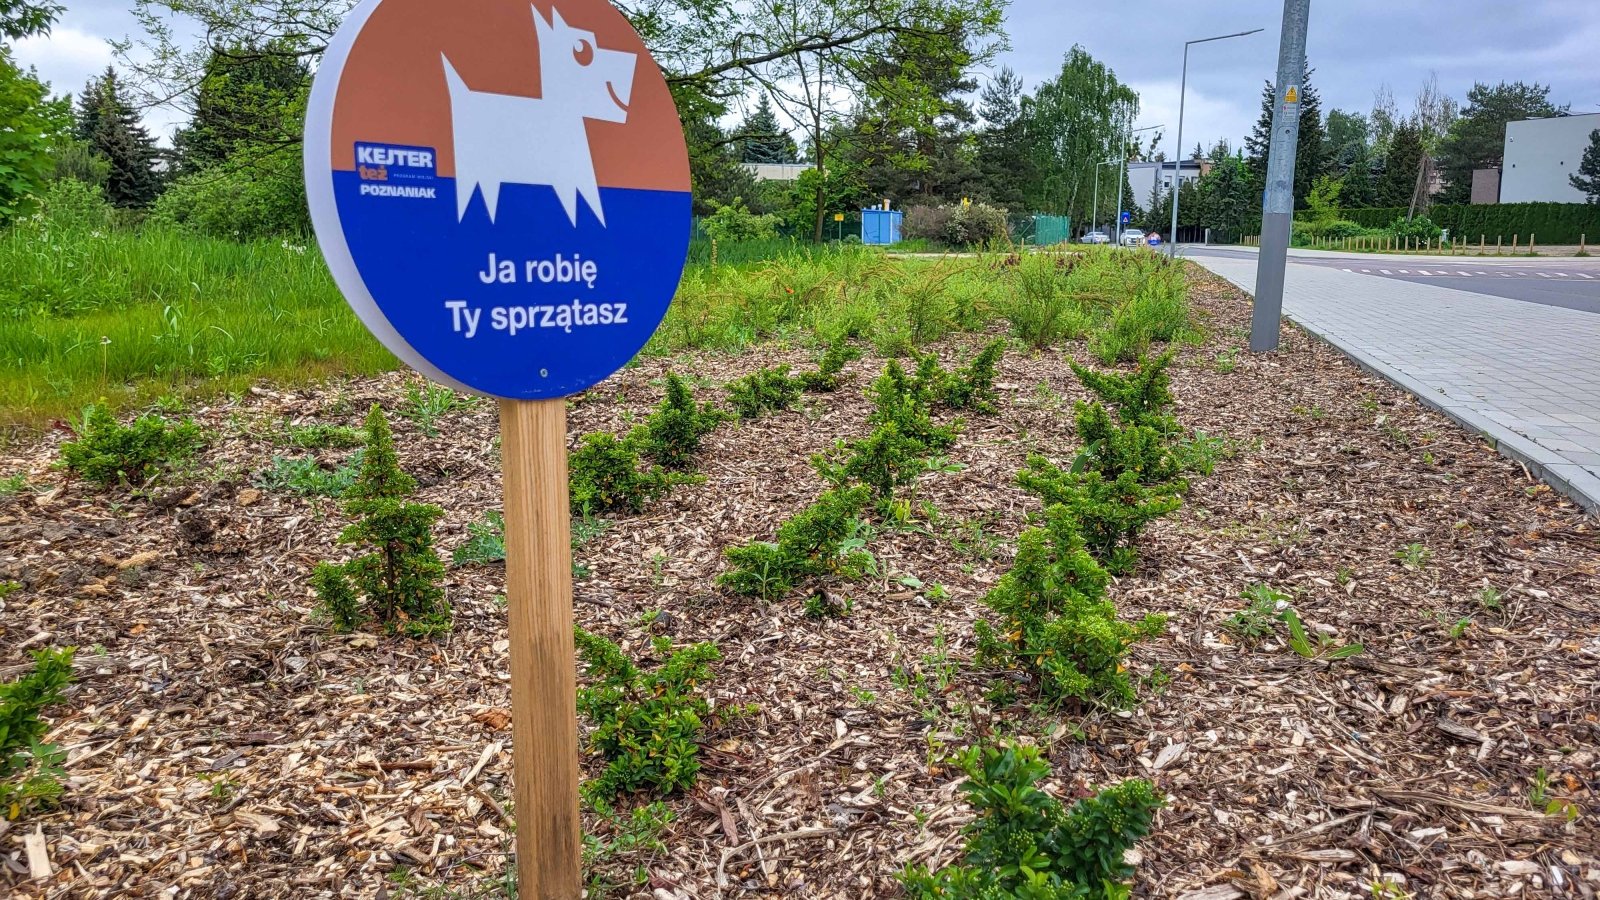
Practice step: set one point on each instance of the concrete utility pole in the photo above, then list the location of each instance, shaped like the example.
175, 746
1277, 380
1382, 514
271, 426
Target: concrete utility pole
1277, 211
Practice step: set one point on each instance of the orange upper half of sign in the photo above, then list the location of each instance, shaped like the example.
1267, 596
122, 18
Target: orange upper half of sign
394, 91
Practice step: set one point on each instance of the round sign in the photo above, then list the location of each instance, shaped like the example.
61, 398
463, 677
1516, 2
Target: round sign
500, 189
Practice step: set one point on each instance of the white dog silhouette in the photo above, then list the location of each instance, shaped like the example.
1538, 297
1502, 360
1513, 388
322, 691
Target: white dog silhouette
506, 139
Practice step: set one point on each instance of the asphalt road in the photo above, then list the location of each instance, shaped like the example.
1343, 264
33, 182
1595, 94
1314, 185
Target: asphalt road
1568, 283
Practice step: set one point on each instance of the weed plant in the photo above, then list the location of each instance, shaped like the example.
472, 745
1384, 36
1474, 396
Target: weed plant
30, 771
647, 723
486, 542
399, 575
306, 476
1054, 621
1025, 844
671, 436
319, 436
815, 542
427, 403
763, 391
108, 453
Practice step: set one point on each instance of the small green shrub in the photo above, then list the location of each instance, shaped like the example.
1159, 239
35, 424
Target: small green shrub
486, 542
903, 401
306, 476
319, 436
1158, 310
606, 477
647, 723
672, 434
1055, 622
1416, 230
972, 386
337, 599
399, 576
1123, 479
883, 460
30, 772
108, 453
1025, 845
1143, 397
813, 543
828, 377
763, 391
1199, 453
254, 194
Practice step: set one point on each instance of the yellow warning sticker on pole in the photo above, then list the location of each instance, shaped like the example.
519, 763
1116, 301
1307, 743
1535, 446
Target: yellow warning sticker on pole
1293, 96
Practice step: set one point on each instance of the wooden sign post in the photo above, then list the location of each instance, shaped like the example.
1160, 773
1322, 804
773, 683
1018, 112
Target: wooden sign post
501, 191
544, 723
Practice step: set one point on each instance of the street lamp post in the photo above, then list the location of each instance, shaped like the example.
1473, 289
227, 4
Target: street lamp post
1094, 214
1177, 159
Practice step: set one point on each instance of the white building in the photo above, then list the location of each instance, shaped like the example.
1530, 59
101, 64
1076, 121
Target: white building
776, 171
1142, 176
1541, 155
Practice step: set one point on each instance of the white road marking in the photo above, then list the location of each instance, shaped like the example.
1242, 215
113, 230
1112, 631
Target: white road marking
1405, 272
1463, 274
1563, 275
1585, 275
1386, 271
1544, 274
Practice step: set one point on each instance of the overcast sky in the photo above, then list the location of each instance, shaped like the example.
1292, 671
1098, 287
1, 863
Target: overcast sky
1355, 46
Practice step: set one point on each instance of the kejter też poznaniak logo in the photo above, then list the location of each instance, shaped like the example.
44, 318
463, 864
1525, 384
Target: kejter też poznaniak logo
500, 188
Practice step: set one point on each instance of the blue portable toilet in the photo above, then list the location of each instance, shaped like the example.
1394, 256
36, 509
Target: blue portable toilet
880, 226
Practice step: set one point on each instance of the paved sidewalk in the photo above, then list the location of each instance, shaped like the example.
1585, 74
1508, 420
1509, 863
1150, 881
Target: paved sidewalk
1524, 375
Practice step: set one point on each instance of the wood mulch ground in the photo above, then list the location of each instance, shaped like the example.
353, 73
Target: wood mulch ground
222, 743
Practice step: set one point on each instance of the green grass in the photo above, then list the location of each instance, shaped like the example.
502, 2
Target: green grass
138, 317
132, 316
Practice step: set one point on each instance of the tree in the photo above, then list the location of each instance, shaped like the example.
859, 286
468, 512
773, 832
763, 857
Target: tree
1004, 163
1309, 161
1477, 139
708, 50
20, 19
1074, 121
1588, 177
1346, 140
1226, 198
111, 128
911, 132
763, 140
1397, 185
244, 99
30, 125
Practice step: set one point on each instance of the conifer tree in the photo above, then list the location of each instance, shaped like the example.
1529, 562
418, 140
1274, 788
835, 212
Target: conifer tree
108, 123
400, 576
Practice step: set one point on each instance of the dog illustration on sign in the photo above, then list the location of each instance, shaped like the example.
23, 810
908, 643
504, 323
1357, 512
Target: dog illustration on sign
506, 139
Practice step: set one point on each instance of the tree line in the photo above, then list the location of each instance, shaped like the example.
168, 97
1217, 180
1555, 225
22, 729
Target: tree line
884, 96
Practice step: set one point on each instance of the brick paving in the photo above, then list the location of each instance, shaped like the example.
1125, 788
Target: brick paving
1525, 375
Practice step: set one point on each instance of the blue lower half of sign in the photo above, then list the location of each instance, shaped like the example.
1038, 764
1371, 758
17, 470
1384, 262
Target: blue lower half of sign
526, 306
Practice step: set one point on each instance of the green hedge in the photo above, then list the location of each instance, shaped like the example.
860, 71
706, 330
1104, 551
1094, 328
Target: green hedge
1552, 223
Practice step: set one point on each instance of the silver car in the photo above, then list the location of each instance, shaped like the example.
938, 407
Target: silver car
1095, 237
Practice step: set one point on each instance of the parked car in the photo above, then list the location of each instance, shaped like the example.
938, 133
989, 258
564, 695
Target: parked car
1133, 239
1095, 237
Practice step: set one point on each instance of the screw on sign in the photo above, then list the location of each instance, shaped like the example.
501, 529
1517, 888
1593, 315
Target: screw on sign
502, 193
